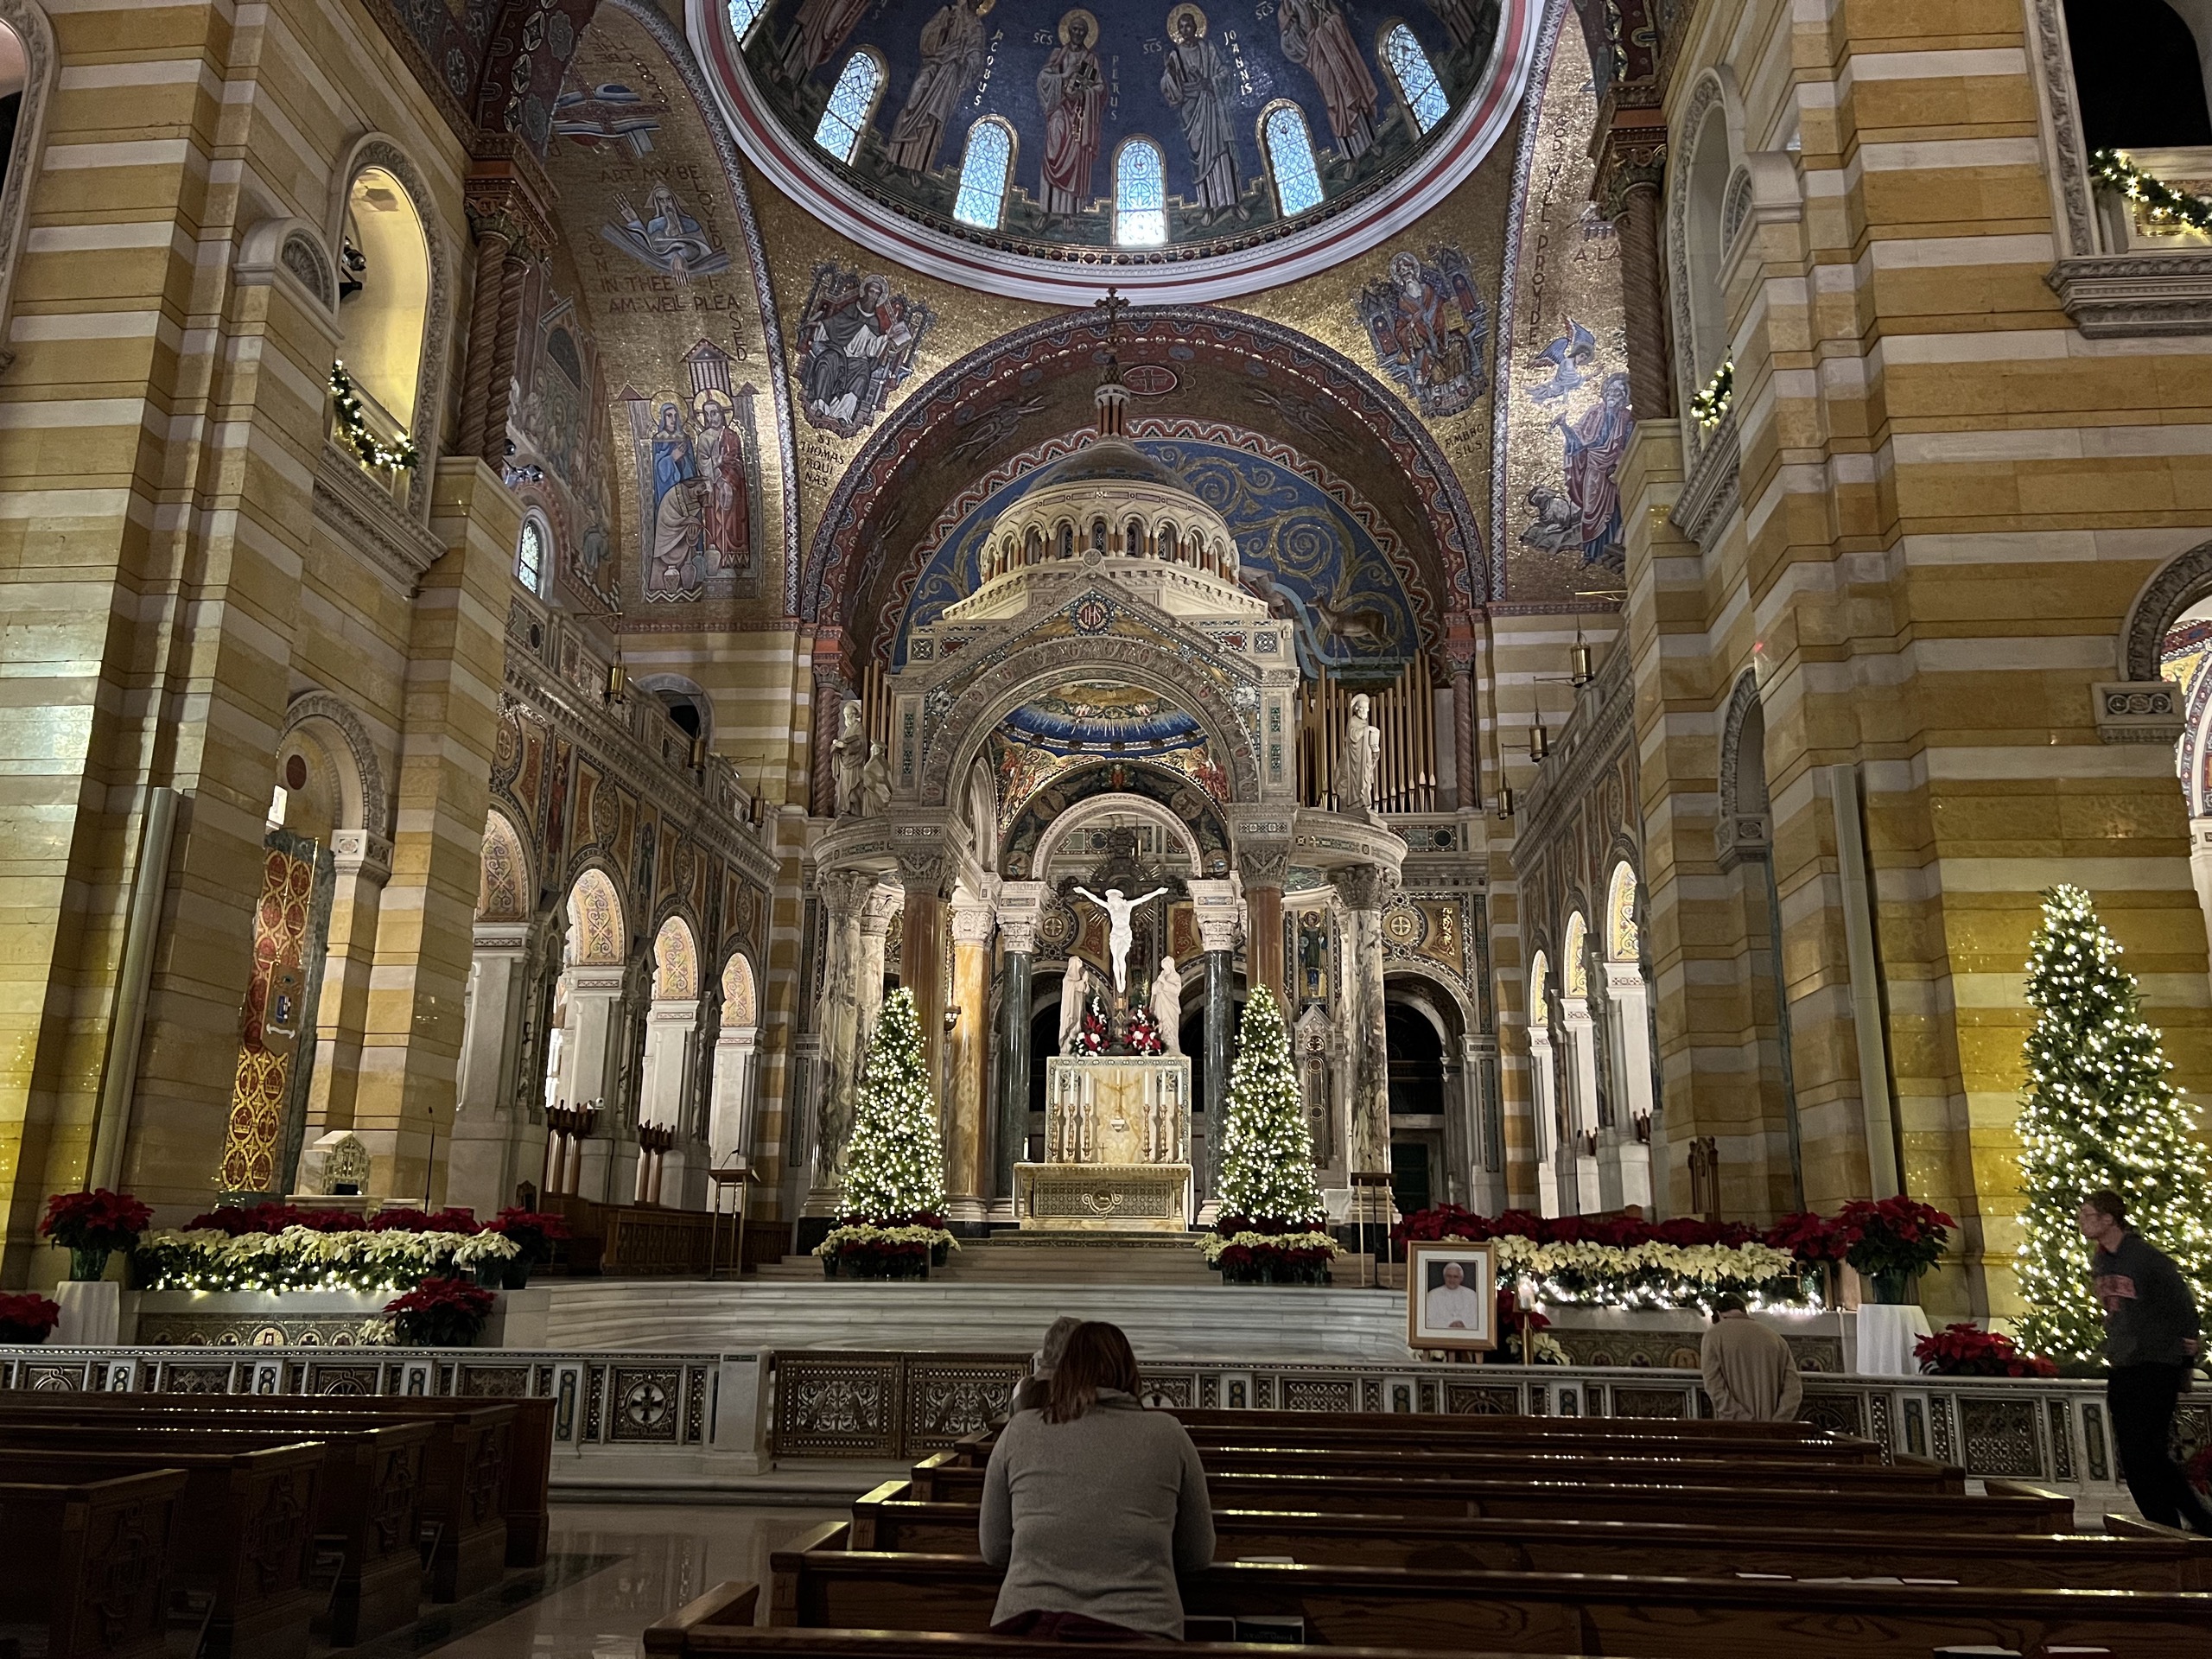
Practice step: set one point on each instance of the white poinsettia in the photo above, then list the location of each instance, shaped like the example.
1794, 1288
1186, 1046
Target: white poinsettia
302, 1258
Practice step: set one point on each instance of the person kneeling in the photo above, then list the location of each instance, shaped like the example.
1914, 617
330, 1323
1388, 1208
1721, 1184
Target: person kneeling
1094, 1505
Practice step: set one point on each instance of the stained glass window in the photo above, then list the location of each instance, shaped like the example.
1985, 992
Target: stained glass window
1416, 78
743, 14
984, 168
1139, 195
529, 556
1290, 158
851, 101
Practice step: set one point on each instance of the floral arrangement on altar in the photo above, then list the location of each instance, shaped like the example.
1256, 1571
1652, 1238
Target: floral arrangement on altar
1624, 1262
534, 1233
440, 1312
1246, 1251
1891, 1242
1969, 1351
27, 1318
272, 1246
92, 1226
1144, 1033
1090, 1036
889, 1249
1512, 1320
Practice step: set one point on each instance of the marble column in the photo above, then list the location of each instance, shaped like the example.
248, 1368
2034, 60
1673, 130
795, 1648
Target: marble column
1215, 904
363, 863
671, 1049
973, 923
921, 953
875, 935
844, 894
1362, 889
1544, 1107
1466, 768
1264, 874
1582, 1109
1020, 903
591, 1059
1628, 1016
492, 1142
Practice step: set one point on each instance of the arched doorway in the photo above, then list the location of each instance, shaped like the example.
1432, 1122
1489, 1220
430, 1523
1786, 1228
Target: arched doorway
1417, 1108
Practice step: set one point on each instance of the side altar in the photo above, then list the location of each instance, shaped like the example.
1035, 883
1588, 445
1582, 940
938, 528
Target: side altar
1118, 1146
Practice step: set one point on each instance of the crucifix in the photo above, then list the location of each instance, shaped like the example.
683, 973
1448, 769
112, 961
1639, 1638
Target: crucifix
1113, 305
1119, 937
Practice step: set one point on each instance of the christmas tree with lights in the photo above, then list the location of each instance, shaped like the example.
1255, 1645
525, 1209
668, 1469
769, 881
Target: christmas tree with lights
1266, 1152
895, 1164
2097, 1112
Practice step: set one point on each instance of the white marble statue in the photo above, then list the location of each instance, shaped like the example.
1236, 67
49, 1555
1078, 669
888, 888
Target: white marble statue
1073, 984
1118, 935
875, 783
1167, 1006
1359, 768
849, 760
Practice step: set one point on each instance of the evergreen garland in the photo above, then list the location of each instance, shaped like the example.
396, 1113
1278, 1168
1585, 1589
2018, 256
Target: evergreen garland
2162, 203
1267, 1152
2097, 1112
1710, 405
895, 1164
353, 427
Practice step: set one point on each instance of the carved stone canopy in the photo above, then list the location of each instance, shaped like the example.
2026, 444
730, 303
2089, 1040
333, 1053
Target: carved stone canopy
1123, 868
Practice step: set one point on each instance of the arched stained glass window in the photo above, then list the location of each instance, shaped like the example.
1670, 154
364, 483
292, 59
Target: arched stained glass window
529, 556
1416, 76
985, 167
851, 102
1139, 195
1290, 157
743, 14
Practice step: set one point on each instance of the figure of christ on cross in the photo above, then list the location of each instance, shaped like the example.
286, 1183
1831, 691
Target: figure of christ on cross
1118, 936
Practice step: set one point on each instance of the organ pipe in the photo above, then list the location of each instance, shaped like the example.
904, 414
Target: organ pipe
1404, 711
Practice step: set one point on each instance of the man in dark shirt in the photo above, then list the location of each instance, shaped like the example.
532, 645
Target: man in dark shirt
2151, 1339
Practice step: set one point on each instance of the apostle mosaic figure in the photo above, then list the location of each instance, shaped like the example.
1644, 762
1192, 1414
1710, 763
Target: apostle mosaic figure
1594, 446
952, 55
726, 503
848, 760
672, 571
1199, 85
1119, 934
1167, 1006
856, 341
1314, 33
1359, 766
820, 29
1071, 91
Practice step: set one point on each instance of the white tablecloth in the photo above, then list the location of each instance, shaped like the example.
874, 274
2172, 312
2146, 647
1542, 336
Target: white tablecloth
1886, 1334
91, 1314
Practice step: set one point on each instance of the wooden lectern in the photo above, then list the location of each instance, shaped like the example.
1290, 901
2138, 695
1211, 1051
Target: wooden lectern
735, 1178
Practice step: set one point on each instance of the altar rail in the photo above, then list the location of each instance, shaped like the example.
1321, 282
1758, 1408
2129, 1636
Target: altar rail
670, 1419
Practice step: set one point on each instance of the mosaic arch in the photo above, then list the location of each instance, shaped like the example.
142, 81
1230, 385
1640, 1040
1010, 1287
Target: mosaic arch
1198, 814
675, 961
1539, 1007
740, 1000
1623, 942
999, 401
1574, 959
1319, 556
862, 113
502, 890
595, 920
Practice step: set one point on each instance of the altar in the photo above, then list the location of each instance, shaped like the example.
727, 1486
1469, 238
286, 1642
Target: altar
1118, 1146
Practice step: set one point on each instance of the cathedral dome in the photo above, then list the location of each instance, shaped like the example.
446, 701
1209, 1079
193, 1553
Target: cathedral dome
1042, 150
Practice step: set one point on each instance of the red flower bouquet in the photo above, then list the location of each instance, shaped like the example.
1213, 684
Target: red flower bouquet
1814, 1240
27, 1318
1144, 1033
441, 1314
92, 1226
1895, 1238
239, 1220
533, 1232
1969, 1351
419, 1221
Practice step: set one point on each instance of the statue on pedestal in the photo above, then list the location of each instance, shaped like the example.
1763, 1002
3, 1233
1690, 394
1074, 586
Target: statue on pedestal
875, 783
848, 760
1073, 984
1359, 767
1167, 1006
1119, 936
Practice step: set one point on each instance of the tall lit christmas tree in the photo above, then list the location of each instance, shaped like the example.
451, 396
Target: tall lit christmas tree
895, 1164
2097, 1112
1266, 1152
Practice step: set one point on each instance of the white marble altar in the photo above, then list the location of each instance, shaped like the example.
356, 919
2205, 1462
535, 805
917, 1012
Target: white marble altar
1118, 1146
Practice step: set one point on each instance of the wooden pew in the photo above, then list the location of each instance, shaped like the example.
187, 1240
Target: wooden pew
244, 1530
82, 1562
368, 1498
2012, 1508
720, 1622
818, 1583
1903, 1475
2138, 1558
1600, 1436
466, 1484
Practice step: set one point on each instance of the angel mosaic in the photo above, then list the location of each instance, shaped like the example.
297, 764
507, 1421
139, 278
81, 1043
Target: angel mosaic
1428, 327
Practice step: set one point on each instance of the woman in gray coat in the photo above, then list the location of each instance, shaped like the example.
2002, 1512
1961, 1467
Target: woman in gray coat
1093, 1504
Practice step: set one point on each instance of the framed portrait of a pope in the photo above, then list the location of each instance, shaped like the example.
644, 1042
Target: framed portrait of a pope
1451, 1296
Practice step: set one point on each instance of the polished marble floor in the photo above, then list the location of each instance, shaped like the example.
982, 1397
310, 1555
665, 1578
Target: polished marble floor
613, 1568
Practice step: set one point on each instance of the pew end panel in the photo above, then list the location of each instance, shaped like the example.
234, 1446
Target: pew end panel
787, 1568
732, 1604
86, 1562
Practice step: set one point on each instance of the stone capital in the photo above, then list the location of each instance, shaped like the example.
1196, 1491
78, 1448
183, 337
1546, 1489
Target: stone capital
883, 903
502, 938
973, 921
926, 871
843, 892
362, 854
1218, 915
603, 982
1021, 905
1362, 887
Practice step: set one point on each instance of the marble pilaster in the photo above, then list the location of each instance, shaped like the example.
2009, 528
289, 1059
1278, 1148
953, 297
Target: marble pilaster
1021, 903
493, 1143
1215, 905
844, 894
973, 923
1362, 888
1580, 1035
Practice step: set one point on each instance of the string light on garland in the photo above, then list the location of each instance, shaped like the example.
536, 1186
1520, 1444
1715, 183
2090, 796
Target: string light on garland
2098, 1111
1710, 405
353, 427
2162, 203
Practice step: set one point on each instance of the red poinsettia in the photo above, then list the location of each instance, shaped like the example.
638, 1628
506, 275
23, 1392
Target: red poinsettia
238, 1220
1813, 1239
420, 1221
532, 1230
1895, 1235
441, 1313
27, 1318
1969, 1351
95, 1220
1452, 1221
